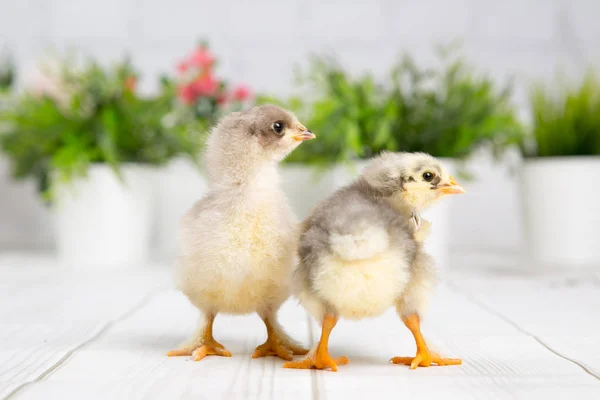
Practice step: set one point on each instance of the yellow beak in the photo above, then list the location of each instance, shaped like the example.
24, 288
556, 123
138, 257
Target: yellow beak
451, 188
304, 133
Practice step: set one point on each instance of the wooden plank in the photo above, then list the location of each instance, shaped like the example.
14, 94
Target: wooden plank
104, 335
582, 349
28, 351
47, 312
129, 361
536, 305
560, 310
424, 385
499, 361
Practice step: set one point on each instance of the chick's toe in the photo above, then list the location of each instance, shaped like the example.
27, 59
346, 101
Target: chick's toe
201, 351
278, 342
206, 350
320, 358
425, 358
319, 361
272, 347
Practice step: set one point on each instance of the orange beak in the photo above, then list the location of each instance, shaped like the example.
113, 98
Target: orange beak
303, 134
451, 188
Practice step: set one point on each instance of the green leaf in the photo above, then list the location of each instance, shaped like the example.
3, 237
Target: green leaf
97, 119
566, 120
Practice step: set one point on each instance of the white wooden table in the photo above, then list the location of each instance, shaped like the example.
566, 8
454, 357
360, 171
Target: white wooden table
87, 335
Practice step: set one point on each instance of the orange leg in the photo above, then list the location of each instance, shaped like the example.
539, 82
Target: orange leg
204, 346
424, 357
276, 345
320, 359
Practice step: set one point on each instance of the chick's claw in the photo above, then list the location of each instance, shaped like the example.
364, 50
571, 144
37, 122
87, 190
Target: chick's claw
180, 352
318, 362
278, 343
272, 347
425, 359
199, 352
206, 350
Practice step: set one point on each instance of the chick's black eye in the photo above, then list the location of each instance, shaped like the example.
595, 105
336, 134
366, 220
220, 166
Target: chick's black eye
428, 176
278, 127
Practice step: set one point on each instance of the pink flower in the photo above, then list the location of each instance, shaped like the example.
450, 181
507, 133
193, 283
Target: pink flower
131, 83
201, 58
205, 86
183, 66
186, 94
222, 99
242, 93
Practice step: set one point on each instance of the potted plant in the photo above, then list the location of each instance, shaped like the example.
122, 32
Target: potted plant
449, 112
562, 149
88, 140
446, 111
198, 99
342, 111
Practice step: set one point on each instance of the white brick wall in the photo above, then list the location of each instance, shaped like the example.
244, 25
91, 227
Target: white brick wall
260, 41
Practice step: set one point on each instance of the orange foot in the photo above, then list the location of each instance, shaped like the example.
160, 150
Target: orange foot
199, 352
279, 348
320, 360
278, 344
425, 358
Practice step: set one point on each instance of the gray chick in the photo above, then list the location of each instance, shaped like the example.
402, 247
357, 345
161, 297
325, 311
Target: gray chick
361, 252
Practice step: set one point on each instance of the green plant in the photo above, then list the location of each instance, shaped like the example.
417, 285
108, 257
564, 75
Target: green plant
7, 73
446, 111
343, 111
200, 98
565, 122
7, 77
76, 117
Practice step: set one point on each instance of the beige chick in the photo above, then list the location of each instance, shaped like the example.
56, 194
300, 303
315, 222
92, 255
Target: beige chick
238, 243
361, 252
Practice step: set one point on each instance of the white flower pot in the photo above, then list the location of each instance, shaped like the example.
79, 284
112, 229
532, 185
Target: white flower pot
103, 222
305, 187
179, 185
343, 174
561, 200
486, 218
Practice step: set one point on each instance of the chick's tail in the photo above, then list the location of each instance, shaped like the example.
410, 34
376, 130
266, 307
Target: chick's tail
361, 243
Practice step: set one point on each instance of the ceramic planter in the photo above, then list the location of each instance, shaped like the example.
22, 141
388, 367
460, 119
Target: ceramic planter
343, 174
486, 220
180, 184
305, 187
103, 222
561, 203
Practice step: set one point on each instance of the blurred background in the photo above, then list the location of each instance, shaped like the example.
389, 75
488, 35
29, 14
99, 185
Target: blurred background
99, 93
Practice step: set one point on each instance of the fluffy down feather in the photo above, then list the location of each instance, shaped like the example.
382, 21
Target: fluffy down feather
237, 244
359, 252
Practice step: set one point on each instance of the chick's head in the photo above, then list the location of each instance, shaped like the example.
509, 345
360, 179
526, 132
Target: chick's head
410, 180
276, 130
266, 132
243, 142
